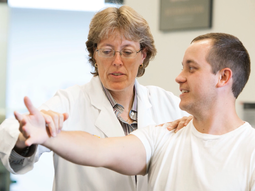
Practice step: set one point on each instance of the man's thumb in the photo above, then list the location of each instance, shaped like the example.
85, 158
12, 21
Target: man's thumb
32, 110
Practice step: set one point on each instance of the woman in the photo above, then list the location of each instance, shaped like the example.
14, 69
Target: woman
113, 103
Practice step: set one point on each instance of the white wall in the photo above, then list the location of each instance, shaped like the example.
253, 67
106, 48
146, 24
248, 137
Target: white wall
4, 23
46, 52
236, 17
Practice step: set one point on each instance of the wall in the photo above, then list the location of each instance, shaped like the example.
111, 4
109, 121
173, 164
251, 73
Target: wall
46, 52
229, 16
4, 23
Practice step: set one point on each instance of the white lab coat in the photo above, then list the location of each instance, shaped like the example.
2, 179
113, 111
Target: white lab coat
89, 110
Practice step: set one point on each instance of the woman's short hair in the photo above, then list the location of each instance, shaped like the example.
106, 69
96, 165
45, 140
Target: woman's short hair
126, 21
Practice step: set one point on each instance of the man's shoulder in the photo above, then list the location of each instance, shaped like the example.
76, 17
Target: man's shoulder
157, 132
248, 136
250, 130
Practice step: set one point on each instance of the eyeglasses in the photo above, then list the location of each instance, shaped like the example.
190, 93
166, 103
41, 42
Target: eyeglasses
110, 53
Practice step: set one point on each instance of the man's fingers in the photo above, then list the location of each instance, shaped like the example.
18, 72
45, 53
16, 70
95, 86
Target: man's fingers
23, 129
22, 123
32, 110
29, 142
18, 116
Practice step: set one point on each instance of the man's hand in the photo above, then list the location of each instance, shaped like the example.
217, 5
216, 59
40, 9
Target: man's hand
178, 124
33, 126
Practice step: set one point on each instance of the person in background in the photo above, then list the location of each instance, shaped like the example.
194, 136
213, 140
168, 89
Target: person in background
216, 151
112, 104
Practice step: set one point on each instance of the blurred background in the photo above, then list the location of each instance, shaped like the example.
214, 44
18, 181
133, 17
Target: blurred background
42, 49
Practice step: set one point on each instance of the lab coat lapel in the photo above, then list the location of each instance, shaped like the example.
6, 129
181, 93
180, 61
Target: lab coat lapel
145, 113
106, 120
109, 124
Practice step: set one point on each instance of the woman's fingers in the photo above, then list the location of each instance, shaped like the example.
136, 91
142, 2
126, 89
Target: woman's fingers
50, 125
178, 124
54, 121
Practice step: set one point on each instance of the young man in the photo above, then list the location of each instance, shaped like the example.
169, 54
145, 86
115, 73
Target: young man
216, 151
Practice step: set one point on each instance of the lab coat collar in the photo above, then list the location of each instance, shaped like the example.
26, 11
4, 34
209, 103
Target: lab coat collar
106, 121
145, 116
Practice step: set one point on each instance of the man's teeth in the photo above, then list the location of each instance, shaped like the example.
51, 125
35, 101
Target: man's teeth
185, 91
118, 74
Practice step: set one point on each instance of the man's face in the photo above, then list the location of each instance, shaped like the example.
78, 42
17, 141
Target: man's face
197, 82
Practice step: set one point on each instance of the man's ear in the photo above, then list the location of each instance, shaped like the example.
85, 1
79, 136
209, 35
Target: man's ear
224, 76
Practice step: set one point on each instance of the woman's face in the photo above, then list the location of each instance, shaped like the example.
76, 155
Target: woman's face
118, 73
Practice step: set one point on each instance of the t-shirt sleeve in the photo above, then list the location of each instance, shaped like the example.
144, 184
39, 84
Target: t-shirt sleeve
151, 137
144, 136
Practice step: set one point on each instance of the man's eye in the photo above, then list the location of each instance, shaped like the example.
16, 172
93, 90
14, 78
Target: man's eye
191, 68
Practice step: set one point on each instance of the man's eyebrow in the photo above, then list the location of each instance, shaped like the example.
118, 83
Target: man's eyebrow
191, 62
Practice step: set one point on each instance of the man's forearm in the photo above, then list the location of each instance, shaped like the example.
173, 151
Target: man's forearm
125, 155
78, 147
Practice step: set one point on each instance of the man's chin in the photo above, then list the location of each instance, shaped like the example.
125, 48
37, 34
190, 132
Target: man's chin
184, 107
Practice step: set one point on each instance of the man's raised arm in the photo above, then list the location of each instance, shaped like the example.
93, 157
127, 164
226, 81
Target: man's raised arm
125, 155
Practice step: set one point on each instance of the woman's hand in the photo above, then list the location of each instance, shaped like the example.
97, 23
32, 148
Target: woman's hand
178, 124
54, 121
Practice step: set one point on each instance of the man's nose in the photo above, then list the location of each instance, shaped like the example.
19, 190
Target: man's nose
180, 78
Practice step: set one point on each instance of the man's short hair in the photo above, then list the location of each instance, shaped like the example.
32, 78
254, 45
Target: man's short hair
228, 52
